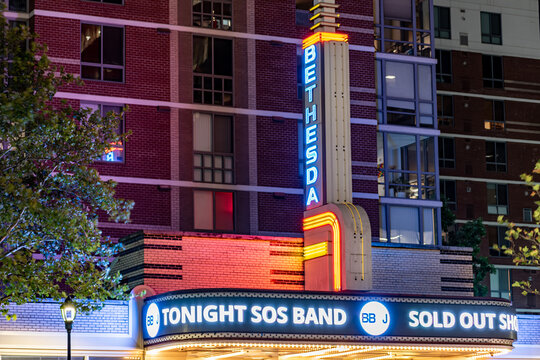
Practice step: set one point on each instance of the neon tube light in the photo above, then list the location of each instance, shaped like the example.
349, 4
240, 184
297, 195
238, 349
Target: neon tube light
322, 37
329, 218
315, 250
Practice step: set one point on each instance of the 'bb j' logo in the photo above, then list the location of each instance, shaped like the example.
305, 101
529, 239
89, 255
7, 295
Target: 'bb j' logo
152, 320
374, 318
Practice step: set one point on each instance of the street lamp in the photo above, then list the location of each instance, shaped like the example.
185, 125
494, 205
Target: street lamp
69, 311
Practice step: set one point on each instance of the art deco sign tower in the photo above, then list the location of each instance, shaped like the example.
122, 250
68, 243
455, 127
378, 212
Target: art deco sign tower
337, 235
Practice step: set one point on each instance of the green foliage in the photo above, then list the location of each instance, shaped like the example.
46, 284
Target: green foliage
469, 235
525, 242
50, 196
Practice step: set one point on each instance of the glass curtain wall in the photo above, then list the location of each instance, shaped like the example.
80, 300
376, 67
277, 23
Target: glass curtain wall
407, 155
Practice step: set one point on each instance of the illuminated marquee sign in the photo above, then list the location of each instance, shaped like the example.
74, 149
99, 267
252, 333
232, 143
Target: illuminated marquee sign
313, 126
324, 316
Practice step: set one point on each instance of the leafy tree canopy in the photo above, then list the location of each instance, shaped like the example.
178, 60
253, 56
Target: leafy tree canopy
525, 242
50, 197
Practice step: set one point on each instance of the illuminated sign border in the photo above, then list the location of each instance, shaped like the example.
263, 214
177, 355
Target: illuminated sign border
237, 314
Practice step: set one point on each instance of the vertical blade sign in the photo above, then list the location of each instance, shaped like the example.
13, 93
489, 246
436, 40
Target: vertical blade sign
313, 127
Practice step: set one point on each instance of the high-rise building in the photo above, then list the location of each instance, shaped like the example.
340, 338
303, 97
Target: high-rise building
284, 165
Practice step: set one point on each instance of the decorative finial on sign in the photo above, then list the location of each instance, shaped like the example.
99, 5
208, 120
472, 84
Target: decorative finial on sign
324, 16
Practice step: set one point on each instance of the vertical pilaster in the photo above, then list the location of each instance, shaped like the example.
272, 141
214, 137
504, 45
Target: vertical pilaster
252, 119
174, 116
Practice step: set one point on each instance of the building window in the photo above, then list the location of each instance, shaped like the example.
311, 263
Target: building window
213, 148
102, 52
448, 192
492, 71
16, 5
497, 116
403, 27
302, 12
527, 215
496, 156
212, 67
445, 110
408, 225
441, 17
497, 199
214, 14
119, 2
115, 154
299, 76
447, 155
443, 69
491, 28
497, 236
407, 158
405, 97
500, 284
213, 210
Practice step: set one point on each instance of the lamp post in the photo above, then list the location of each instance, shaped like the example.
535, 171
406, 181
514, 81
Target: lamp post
69, 311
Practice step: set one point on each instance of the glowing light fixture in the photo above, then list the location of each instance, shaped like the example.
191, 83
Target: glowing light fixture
322, 37
315, 250
390, 77
225, 355
323, 219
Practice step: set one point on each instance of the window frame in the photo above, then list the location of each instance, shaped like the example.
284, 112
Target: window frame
213, 76
490, 81
446, 160
496, 164
202, 14
101, 65
123, 128
212, 153
443, 185
233, 194
384, 110
422, 188
496, 123
530, 217
498, 203
404, 47
444, 119
488, 38
8, 3
500, 241
498, 293
385, 223
443, 77
437, 21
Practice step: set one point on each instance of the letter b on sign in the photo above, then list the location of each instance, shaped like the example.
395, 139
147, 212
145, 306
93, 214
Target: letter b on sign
374, 318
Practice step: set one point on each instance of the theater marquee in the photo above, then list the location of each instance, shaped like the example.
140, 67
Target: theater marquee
325, 316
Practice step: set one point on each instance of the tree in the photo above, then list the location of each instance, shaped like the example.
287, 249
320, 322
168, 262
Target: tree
50, 244
525, 243
470, 235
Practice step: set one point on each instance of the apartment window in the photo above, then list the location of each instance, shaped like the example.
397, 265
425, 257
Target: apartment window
405, 97
213, 148
527, 215
497, 116
441, 17
213, 210
102, 52
214, 14
16, 5
403, 27
408, 225
491, 28
115, 154
119, 2
447, 155
448, 191
497, 199
500, 284
408, 170
497, 236
495, 156
492, 71
443, 69
302, 12
212, 67
445, 110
